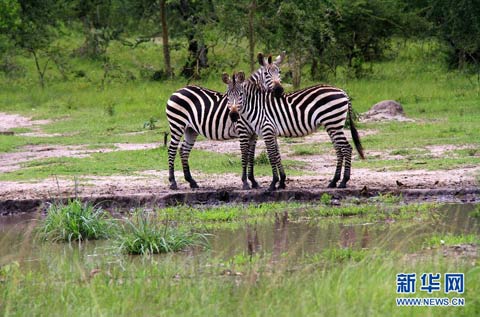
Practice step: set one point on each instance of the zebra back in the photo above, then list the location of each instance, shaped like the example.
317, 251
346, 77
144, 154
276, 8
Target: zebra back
203, 110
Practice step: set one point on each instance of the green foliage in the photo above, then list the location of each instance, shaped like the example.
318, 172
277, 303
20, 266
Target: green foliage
10, 20
326, 36
151, 124
388, 198
262, 159
32, 24
326, 199
450, 239
145, 234
9, 270
458, 28
75, 221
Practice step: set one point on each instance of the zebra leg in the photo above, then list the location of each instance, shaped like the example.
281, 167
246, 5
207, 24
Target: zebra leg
172, 152
244, 148
273, 157
283, 177
251, 160
187, 145
347, 154
336, 139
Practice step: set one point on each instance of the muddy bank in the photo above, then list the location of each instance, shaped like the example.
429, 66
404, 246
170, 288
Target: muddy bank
117, 203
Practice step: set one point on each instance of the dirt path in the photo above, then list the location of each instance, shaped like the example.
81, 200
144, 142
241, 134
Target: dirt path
319, 167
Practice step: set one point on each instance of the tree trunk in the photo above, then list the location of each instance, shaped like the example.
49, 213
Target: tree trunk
296, 67
166, 47
41, 73
251, 35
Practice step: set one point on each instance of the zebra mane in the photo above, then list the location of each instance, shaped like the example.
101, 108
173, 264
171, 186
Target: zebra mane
255, 78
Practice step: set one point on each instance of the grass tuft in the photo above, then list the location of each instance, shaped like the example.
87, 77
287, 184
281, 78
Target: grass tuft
262, 159
76, 221
144, 234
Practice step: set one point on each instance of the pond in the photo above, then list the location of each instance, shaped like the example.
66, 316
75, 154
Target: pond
283, 236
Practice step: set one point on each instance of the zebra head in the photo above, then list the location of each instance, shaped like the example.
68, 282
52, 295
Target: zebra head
234, 93
269, 77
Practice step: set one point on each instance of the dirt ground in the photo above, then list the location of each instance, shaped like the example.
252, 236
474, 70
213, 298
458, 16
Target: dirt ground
320, 169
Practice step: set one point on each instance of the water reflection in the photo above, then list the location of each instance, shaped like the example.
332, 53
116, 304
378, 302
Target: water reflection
284, 237
296, 238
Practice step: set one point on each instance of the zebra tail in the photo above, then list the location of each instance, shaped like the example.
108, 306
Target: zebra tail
353, 130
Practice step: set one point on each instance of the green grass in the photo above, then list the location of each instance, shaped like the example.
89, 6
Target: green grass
176, 286
344, 254
144, 234
444, 104
311, 149
451, 239
130, 162
420, 163
232, 216
75, 221
96, 279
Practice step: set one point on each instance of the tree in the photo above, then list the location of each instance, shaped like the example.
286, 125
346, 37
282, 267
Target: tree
151, 13
363, 28
297, 27
241, 19
31, 26
10, 21
194, 18
178, 19
103, 21
457, 24
166, 47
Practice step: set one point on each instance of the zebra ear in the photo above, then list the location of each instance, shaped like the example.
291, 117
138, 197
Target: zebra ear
280, 58
226, 78
240, 77
261, 59
269, 59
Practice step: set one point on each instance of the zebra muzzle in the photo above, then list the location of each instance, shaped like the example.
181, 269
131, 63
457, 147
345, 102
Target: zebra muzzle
234, 116
278, 90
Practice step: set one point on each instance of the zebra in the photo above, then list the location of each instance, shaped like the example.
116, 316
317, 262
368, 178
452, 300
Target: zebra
195, 110
295, 114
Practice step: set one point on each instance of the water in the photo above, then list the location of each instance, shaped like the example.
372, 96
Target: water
281, 237
299, 238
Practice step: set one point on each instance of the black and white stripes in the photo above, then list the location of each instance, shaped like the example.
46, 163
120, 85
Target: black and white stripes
193, 111
293, 115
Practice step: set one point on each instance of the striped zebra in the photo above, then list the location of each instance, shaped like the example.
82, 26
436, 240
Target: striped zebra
194, 110
295, 114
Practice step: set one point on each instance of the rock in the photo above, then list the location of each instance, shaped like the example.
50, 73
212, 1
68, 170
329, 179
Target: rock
386, 110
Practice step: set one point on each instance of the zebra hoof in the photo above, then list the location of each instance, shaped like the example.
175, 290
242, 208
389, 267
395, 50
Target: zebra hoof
281, 185
332, 185
272, 188
193, 184
342, 185
245, 186
173, 186
255, 185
